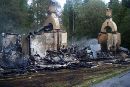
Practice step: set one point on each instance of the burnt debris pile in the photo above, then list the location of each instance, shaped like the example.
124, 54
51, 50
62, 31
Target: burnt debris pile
19, 56
11, 52
47, 49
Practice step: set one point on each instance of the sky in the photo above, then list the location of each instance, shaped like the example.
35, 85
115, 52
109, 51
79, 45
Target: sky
62, 2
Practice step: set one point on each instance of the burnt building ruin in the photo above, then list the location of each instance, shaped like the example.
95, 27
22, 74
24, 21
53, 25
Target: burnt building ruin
109, 37
50, 36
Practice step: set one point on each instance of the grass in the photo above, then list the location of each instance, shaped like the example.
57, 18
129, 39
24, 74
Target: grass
84, 77
97, 78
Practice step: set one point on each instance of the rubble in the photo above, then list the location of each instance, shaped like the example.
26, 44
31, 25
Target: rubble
11, 54
14, 62
46, 49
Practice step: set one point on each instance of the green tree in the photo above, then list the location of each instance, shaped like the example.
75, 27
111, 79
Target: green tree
121, 16
67, 17
88, 17
125, 30
126, 3
13, 15
38, 11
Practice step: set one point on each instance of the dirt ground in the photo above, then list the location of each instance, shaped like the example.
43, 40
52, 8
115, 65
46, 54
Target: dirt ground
60, 78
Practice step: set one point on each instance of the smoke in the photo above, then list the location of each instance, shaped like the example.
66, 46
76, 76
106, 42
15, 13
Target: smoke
84, 42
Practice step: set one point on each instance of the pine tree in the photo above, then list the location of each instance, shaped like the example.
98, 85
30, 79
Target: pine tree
126, 3
13, 15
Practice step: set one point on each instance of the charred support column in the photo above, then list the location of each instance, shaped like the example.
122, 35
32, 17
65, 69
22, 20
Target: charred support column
58, 39
29, 44
32, 62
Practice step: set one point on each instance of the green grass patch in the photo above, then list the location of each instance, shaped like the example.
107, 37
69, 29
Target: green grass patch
99, 77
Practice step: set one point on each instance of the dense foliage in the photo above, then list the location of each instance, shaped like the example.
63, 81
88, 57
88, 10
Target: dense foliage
121, 15
19, 17
81, 18
13, 15
88, 16
38, 12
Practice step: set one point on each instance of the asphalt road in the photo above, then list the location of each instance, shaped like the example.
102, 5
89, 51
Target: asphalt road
122, 80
